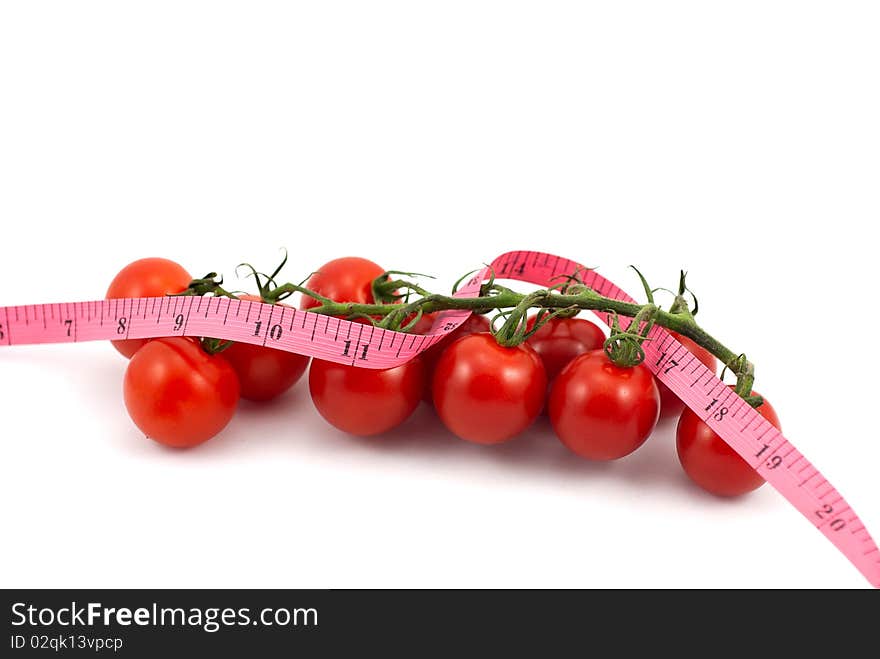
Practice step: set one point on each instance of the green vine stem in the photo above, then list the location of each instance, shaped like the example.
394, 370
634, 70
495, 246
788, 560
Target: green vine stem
493, 297
399, 313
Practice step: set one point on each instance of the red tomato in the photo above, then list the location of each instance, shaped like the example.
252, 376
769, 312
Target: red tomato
366, 401
562, 339
602, 411
348, 279
710, 462
670, 404
474, 324
178, 394
150, 277
423, 325
264, 373
486, 393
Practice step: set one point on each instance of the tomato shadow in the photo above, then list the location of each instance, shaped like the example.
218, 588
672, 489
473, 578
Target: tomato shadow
422, 433
652, 465
291, 401
290, 424
265, 425
536, 455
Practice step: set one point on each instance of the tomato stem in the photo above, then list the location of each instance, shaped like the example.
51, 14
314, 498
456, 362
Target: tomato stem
624, 347
211, 284
583, 298
386, 290
215, 346
513, 331
681, 323
562, 300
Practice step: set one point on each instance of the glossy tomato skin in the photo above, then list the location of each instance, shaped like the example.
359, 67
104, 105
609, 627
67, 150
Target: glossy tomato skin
710, 462
670, 404
560, 340
474, 324
264, 373
178, 394
602, 411
423, 325
150, 277
366, 401
348, 279
486, 393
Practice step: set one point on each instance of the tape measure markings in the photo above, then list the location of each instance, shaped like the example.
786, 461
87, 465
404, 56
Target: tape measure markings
6, 326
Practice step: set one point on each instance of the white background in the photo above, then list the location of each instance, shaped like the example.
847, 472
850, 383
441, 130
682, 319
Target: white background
737, 140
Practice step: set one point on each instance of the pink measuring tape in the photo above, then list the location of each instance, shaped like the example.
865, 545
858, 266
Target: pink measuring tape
324, 337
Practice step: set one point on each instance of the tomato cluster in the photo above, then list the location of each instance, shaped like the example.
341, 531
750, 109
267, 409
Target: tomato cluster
175, 391
180, 395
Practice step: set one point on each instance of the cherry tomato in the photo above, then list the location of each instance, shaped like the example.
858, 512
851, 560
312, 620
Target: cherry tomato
710, 462
486, 393
178, 394
602, 411
150, 277
423, 325
366, 401
474, 324
560, 340
264, 373
348, 279
670, 404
